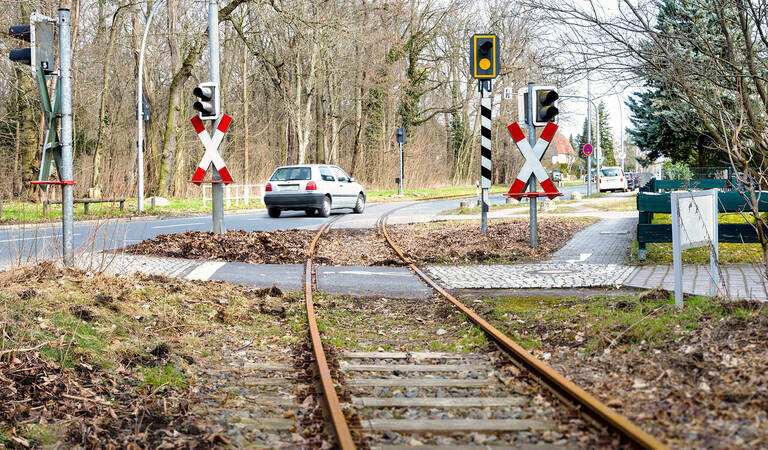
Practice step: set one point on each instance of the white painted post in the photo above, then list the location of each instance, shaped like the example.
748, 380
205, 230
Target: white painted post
714, 255
677, 254
228, 192
246, 193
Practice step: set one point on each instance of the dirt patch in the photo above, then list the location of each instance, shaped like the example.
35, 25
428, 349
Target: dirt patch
260, 247
449, 242
89, 361
463, 242
694, 378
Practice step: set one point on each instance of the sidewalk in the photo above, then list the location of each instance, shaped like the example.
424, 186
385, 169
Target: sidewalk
738, 281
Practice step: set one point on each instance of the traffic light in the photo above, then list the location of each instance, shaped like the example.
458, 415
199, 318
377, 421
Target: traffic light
208, 104
484, 56
40, 33
545, 108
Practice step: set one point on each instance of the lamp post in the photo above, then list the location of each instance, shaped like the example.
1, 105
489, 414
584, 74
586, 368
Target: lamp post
140, 111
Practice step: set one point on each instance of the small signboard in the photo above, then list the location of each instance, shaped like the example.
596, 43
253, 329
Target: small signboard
507, 93
587, 149
694, 224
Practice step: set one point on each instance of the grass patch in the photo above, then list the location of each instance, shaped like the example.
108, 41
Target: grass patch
390, 195
15, 211
729, 253
159, 378
372, 324
616, 322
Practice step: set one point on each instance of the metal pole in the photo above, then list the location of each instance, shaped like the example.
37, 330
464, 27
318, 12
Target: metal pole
621, 134
598, 150
67, 190
589, 136
532, 179
402, 169
140, 113
217, 190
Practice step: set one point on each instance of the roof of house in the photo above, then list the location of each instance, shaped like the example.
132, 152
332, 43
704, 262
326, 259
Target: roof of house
562, 145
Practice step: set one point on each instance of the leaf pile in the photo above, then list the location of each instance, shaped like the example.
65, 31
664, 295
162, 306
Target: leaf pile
90, 408
259, 247
463, 242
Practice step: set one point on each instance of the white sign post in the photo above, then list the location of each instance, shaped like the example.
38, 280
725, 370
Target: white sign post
694, 224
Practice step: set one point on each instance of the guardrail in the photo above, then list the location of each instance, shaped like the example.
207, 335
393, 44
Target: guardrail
236, 192
650, 203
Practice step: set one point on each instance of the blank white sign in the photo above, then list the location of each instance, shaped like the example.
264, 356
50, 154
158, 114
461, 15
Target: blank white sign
696, 221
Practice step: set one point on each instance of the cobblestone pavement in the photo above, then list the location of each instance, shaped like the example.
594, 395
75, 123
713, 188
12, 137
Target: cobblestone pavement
521, 276
740, 281
605, 242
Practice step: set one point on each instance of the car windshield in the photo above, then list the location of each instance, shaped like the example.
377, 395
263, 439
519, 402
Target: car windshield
292, 173
610, 172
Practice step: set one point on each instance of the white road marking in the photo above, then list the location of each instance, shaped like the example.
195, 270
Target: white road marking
180, 225
582, 257
32, 238
205, 270
360, 272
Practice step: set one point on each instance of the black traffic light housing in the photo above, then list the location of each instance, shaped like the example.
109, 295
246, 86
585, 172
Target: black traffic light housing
208, 104
401, 135
545, 108
484, 56
40, 33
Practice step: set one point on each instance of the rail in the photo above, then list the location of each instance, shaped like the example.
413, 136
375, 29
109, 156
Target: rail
566, 390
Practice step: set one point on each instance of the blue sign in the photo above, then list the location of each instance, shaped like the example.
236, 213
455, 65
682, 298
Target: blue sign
587, 149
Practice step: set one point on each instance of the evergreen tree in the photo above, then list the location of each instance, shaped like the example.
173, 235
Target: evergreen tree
606, 137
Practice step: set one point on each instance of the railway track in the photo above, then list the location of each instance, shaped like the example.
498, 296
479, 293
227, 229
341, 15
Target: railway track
401, 394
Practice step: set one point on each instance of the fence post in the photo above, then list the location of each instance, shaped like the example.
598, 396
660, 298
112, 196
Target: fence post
228, 194
245, 193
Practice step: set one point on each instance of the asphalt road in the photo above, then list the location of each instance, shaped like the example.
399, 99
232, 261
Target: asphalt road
33, 242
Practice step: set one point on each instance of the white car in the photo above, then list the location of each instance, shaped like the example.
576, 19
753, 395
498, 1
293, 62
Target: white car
313, 188
612, 179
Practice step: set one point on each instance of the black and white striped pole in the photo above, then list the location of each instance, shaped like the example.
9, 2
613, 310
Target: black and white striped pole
485, 87
484, 66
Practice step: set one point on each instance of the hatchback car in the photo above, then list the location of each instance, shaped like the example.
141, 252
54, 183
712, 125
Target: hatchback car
314, 188
612, 179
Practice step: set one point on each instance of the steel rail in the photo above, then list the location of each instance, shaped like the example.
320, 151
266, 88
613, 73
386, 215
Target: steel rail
557, 383
343, 434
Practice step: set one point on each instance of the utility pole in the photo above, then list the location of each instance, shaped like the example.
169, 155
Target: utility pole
589, 137
623, 151
67, 188
401, 141
217, 189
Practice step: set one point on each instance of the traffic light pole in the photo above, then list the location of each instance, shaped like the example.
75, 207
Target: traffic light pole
217, 189
66, 175
486, 89
402, 171
589, 136
532, 180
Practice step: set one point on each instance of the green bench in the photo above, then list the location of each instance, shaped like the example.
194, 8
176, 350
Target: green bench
650, 203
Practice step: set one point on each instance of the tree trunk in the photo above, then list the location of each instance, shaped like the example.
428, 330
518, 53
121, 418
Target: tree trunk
102, 132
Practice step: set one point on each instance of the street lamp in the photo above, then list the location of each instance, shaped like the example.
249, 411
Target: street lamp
140, 110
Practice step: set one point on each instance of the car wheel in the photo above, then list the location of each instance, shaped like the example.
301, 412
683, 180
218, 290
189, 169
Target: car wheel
310, 211
359, 205
325, 210
274, 212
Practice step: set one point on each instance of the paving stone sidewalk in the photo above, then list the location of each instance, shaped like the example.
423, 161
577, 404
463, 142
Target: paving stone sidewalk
530, 276
740, 281
593, 257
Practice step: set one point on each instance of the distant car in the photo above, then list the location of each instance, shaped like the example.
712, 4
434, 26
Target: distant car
586, 179
631, 181
612, 179
557, 176
314, 188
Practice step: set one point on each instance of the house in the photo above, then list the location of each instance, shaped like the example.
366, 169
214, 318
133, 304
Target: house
559, 152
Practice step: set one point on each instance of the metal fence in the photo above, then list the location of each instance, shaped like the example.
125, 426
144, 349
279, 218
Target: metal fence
237, 193
702, 173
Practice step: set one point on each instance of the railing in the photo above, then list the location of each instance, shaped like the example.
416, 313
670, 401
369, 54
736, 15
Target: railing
236, 192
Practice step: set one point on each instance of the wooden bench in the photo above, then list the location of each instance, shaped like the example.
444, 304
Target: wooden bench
649, 203
85, 201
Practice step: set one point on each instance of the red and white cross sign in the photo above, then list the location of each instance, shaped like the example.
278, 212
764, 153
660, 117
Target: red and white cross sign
211, 150
533, 159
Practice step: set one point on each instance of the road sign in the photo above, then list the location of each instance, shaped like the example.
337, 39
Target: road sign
533, 157
211, 150
508, 94
587, 149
